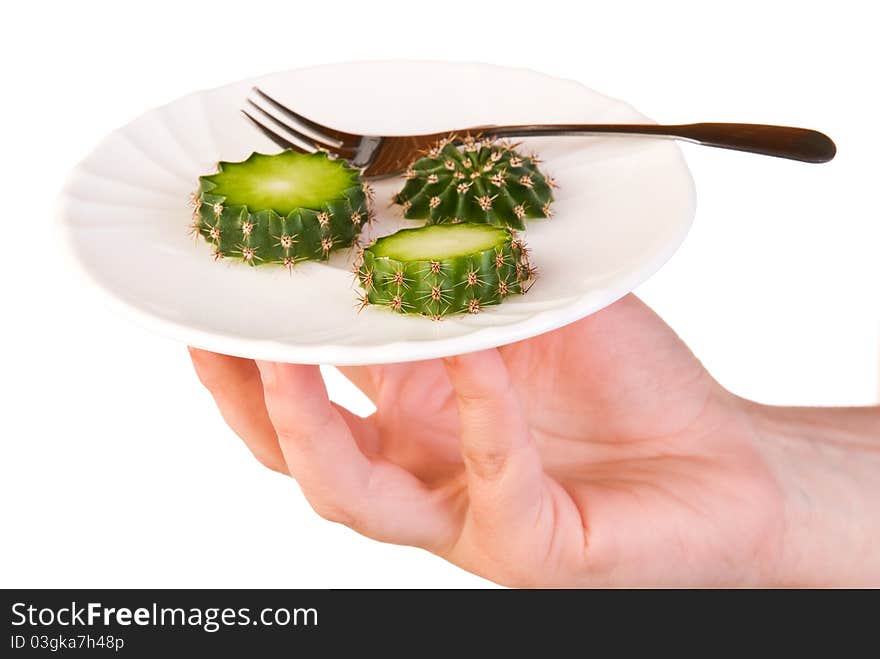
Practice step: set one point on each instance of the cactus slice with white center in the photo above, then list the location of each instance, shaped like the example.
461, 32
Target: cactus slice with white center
442, 269
282, 208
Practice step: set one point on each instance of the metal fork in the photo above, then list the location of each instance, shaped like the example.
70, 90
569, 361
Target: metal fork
380, 156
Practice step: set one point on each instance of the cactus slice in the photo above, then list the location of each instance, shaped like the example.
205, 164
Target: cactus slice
443, 269
483, 181
281, 208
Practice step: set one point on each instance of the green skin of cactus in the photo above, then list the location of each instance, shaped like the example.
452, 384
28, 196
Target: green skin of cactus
485, 183
281, 208
465, 282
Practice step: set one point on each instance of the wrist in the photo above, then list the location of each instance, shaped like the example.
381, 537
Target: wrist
827, 464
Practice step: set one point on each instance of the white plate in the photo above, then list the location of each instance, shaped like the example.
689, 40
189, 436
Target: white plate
623, 207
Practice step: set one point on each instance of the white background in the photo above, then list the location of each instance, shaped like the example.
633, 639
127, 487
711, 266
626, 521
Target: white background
116, 470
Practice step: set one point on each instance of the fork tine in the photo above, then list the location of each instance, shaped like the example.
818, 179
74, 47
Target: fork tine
279, 139
288, 131
329, 136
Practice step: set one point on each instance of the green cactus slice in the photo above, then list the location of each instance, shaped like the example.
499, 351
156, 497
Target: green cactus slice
281, 208
443, 269
484, 181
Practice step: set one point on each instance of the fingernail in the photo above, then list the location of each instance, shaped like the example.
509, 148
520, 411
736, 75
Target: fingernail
464, 357
268, 372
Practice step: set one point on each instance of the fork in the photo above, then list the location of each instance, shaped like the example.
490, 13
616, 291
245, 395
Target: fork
387, 155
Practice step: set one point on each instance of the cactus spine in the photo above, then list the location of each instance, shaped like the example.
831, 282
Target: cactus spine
281, 208
484, 181
438, 270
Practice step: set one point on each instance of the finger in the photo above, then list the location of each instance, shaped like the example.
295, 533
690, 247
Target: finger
364, 429
236, 387
364, 378
372, 496
503, 467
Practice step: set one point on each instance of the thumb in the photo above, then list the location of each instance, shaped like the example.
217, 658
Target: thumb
504, 472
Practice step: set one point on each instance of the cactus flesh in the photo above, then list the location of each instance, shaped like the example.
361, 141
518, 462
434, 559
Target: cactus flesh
483, 181
438, 270
281, 208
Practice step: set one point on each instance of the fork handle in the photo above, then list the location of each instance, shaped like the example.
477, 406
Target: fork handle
780, 141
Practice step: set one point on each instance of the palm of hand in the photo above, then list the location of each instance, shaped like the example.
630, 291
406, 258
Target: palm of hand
649, 474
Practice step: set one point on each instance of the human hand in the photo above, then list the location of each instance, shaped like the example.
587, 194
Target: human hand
601, 453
